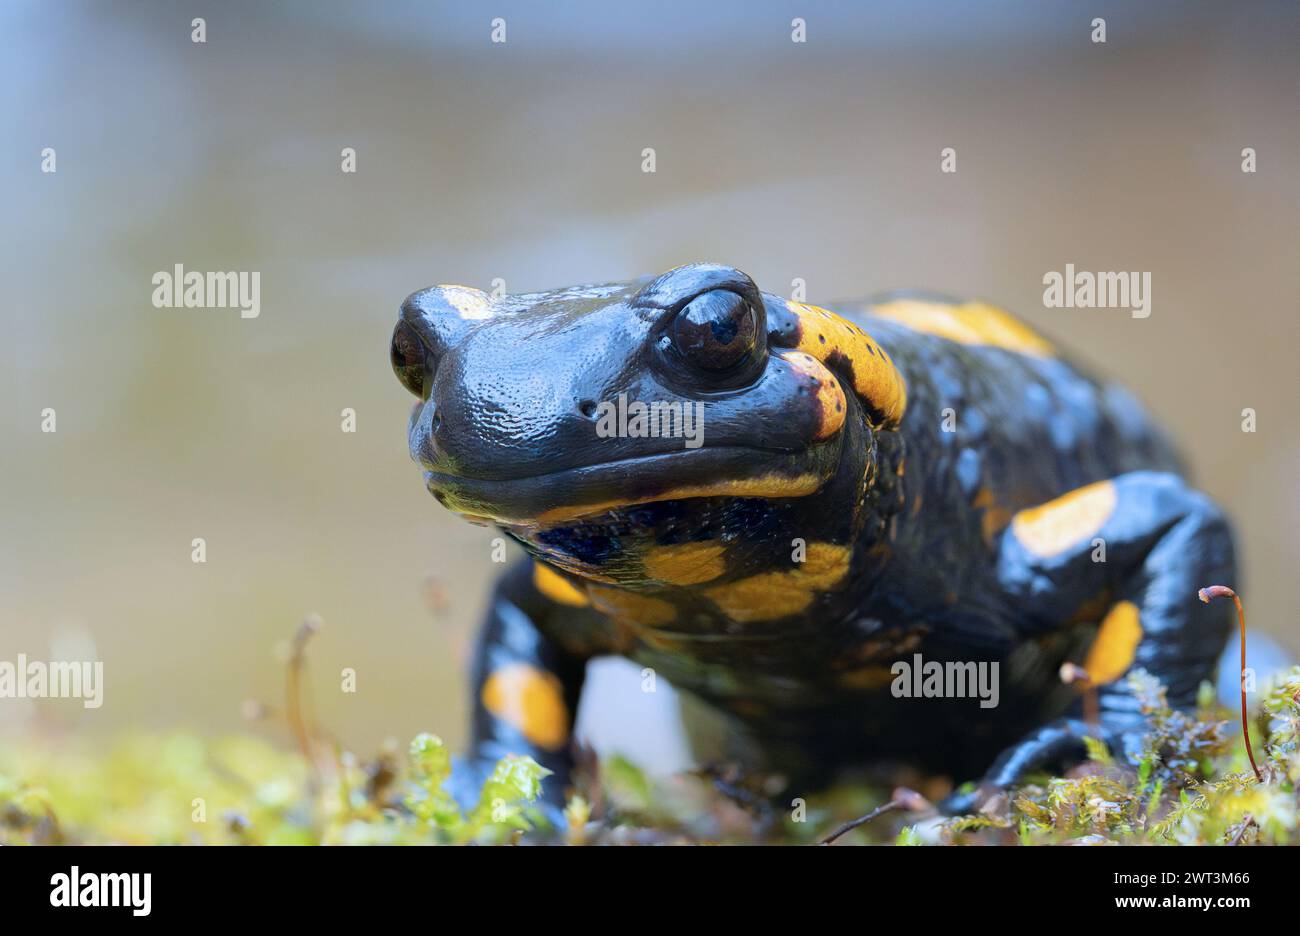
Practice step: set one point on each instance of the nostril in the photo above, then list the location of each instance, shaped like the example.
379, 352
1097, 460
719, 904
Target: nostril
435, 422
587, 408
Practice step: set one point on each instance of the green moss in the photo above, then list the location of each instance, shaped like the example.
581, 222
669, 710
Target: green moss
1192, 785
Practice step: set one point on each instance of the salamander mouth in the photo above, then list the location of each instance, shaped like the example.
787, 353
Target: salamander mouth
556, 497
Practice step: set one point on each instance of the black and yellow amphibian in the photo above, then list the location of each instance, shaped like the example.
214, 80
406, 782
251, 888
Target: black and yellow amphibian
783, 509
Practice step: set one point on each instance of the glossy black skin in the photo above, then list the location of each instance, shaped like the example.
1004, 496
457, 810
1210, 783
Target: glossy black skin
504, 434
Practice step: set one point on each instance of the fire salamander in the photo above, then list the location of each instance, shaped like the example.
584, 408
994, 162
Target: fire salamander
884, 530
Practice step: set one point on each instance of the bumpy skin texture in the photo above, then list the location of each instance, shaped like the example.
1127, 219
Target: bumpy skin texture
909, 475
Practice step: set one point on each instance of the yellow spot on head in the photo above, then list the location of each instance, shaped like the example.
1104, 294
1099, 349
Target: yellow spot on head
558, 588
685, 564
970, 323
531, 701
1111, 654
875, 379
772, 595
1052, 528
830, 395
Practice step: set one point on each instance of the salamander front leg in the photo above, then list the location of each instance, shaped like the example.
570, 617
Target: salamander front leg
525, 690
1137, 548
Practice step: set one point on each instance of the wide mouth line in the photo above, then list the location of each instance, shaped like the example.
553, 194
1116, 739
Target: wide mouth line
632, 462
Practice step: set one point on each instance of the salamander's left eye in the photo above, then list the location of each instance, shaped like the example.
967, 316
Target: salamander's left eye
715, 331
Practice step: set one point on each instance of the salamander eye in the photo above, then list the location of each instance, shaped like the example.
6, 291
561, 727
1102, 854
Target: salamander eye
715, 331
410, 358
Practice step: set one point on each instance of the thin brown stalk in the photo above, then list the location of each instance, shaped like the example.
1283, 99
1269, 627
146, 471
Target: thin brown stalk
1223, 591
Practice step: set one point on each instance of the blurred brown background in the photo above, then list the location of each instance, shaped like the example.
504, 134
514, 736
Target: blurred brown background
523, 161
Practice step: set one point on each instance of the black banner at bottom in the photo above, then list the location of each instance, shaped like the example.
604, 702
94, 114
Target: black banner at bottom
365, 886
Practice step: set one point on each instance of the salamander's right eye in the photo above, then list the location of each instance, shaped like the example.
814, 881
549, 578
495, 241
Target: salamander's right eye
411, 359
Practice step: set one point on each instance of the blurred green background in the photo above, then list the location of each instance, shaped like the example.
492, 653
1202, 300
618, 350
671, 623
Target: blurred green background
523, 161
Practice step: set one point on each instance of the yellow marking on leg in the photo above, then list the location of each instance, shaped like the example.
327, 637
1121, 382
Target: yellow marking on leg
685, 564
770, 485
969, 323
1111, 654
876, 380
771, 595
558, 588
1052, 528
829, 393
531, 701
632, 607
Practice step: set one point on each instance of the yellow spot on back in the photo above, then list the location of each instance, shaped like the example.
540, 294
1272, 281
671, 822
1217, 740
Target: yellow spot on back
970, 323
632, 607
1052, 528
1111, 654
830, 395
685, 564
770, 485
875, 379
558, 588
771, 595
531, 701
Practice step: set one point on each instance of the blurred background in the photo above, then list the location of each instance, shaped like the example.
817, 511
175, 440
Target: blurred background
522, 161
